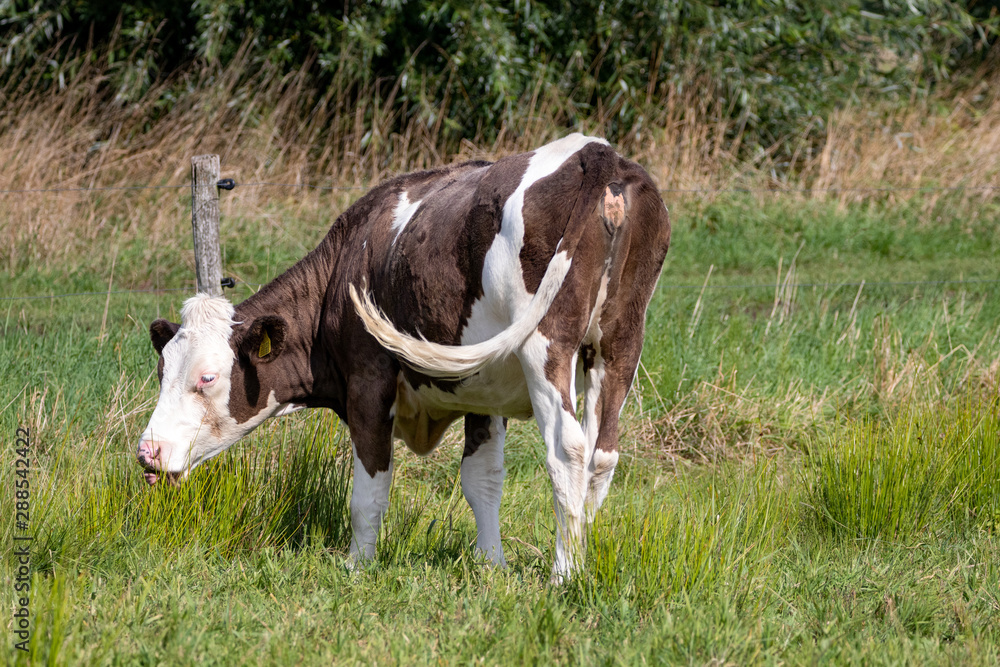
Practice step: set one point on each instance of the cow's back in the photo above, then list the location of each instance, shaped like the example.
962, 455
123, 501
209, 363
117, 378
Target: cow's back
465, 248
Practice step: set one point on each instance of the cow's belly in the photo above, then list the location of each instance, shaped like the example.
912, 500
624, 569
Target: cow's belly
497, 390
422, 414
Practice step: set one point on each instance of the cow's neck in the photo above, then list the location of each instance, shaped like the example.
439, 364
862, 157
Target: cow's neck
297, 295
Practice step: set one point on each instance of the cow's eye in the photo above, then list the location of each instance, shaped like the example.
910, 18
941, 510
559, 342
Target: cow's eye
206, 380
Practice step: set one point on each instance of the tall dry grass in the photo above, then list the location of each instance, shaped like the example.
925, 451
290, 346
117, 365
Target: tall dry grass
269, 127
947, 142
735, 413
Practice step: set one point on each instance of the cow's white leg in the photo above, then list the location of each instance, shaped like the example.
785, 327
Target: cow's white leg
566, 450
482, 481
369, 503
600, 463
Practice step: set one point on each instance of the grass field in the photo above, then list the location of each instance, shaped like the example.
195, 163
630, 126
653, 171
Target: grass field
810, 466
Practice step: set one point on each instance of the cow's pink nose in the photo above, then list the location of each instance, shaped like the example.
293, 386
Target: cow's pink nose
148, 452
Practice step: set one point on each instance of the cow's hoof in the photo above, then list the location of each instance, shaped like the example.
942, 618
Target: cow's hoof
562, 575
491, 558
357, 563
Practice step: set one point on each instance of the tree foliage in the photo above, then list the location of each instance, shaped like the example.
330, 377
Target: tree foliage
775, 67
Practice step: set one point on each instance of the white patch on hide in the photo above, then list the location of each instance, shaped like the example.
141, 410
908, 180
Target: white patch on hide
504, 294
369, 503
403, 213
287, 408
566, 449
482, 486
600, 471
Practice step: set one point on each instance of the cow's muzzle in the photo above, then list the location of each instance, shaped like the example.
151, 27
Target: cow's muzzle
149, 456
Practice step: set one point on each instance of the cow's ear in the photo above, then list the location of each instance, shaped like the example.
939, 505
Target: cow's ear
160, 332
265, 339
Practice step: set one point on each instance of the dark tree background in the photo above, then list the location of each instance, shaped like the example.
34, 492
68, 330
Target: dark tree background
774, 66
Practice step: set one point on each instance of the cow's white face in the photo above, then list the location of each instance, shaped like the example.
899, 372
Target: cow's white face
192, 422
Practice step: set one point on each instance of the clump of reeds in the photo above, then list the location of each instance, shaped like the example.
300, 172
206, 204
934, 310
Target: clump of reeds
898, 479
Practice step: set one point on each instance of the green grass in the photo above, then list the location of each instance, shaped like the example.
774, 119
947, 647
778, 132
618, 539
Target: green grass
917, 471
709, 535
278, 493
807, 475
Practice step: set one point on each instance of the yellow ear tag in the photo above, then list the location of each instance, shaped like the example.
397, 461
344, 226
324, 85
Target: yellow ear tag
265, 346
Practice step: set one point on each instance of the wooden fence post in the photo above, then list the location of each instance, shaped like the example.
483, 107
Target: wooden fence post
205, 223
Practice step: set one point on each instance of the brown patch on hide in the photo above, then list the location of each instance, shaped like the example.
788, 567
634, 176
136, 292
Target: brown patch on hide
370, 395
246, 396
477, 431
644, 238
558, 371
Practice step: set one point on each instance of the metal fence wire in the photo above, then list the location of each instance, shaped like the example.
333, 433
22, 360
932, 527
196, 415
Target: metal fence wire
760, 190
230, 184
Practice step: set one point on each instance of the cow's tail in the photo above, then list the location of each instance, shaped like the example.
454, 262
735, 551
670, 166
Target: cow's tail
458, 361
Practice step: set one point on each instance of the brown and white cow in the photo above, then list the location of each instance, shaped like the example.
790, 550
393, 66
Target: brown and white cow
483, 290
